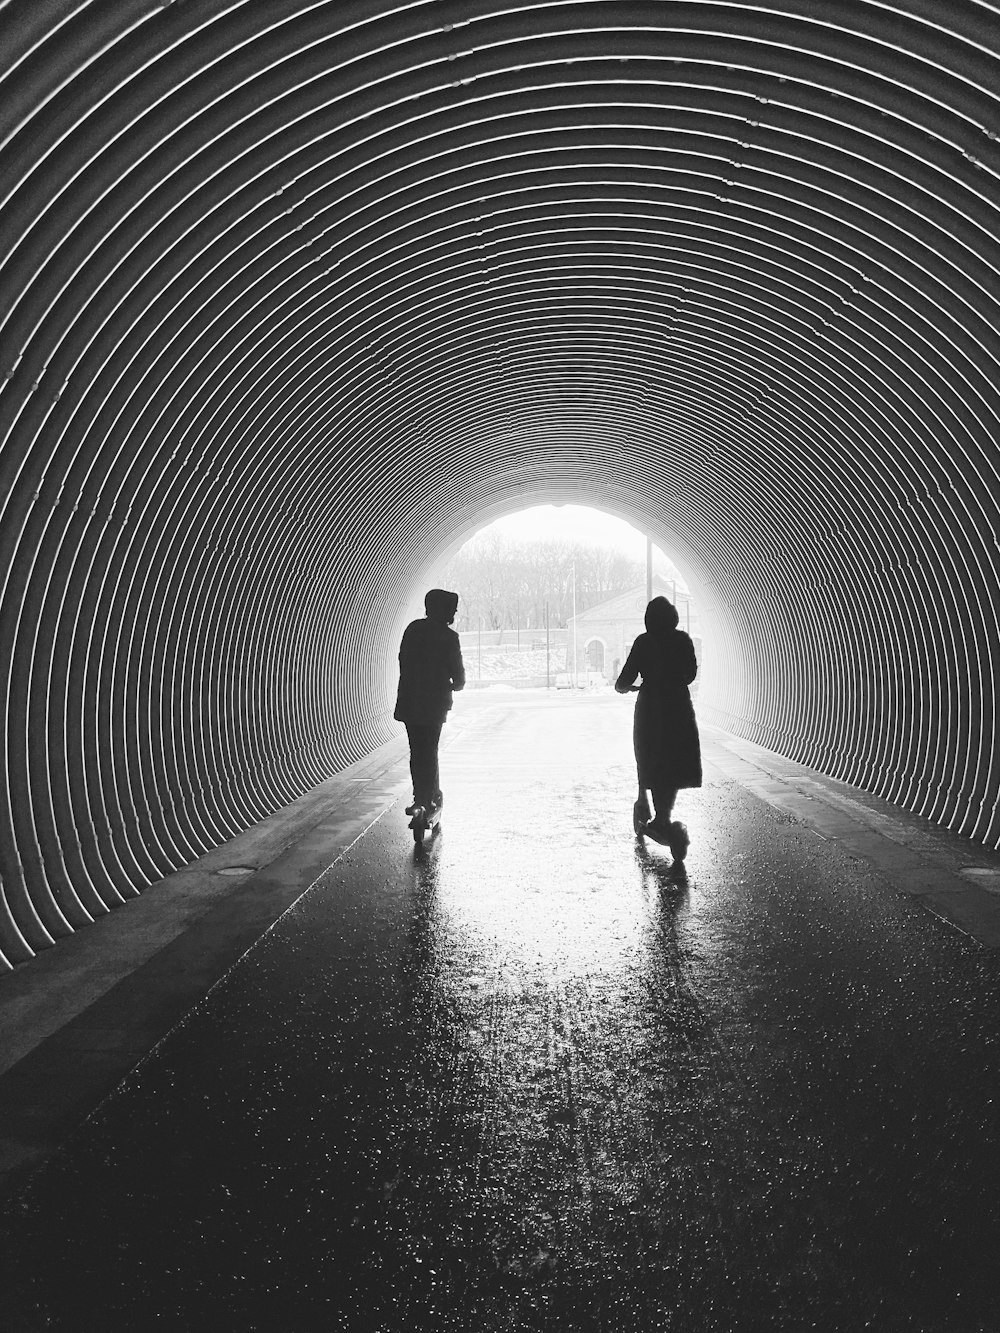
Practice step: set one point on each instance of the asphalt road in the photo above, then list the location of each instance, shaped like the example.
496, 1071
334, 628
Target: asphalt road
539, 1079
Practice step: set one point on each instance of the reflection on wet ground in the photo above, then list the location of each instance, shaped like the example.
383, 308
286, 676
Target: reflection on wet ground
536, 1078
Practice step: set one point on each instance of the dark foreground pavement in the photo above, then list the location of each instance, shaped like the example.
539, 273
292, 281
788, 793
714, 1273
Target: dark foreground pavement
539, 1080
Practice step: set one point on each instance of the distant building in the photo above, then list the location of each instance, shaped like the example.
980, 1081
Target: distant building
605, 633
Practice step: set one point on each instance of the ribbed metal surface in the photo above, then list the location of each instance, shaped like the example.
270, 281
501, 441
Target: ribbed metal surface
296, 296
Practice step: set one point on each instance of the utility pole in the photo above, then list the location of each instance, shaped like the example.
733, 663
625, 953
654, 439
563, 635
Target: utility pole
576, 674
548, 674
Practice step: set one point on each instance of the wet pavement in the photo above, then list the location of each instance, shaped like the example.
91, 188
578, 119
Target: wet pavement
538, 1079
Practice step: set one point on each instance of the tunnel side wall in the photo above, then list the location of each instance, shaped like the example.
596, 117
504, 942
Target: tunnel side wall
295, 296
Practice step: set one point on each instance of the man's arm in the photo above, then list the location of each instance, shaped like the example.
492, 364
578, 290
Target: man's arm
406, 648
457, 667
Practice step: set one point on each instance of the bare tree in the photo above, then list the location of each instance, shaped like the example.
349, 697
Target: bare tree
503, 583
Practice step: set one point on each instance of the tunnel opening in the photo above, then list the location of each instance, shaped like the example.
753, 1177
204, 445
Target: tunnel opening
553, 595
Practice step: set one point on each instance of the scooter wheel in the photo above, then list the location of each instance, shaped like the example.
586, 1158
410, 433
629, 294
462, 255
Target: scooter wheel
419, 824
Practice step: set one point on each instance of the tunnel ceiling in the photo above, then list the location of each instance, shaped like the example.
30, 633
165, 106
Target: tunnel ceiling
296, 295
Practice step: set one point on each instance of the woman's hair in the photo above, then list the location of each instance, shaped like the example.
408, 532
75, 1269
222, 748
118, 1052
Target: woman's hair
661, 616
441, 605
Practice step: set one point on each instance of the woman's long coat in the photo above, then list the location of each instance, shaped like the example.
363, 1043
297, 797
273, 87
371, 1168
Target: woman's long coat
665, 733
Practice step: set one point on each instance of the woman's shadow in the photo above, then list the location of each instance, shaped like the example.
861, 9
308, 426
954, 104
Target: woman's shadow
658, 872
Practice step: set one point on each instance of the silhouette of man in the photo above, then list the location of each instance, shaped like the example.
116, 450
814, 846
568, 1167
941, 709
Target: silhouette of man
430, 668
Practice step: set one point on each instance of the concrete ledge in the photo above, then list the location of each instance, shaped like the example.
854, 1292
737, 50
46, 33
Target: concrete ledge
44, 994
955, 879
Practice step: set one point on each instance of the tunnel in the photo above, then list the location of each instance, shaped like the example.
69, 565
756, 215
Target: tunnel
298, 296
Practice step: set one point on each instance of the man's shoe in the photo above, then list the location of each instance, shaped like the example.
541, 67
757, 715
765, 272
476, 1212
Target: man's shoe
411, 809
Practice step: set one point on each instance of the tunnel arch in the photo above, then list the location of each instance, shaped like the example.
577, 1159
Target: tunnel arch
292, 299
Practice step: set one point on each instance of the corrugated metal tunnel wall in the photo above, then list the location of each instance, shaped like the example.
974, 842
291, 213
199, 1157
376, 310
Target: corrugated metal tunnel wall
298, 295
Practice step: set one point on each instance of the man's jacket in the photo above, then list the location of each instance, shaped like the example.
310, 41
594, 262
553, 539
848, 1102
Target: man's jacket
430, 668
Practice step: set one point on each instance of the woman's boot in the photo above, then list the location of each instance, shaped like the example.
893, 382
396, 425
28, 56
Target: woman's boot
679, 841
641, 812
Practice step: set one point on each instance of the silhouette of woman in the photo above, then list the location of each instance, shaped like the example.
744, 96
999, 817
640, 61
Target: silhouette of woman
665, 732
430, 668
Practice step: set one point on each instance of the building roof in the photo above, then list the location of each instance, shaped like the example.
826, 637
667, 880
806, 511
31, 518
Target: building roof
629, 605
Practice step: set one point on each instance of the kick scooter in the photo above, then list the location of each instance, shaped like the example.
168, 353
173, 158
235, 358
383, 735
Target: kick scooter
674, 836
641, 813
426, 819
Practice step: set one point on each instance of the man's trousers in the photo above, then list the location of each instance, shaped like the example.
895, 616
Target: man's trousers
424, 761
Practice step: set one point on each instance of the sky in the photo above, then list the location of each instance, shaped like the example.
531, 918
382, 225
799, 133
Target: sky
575, 523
